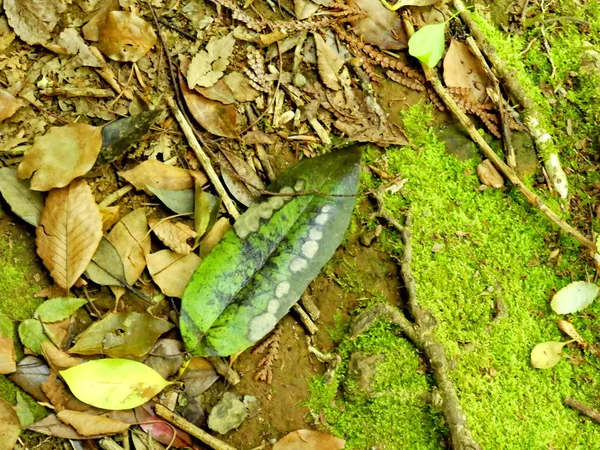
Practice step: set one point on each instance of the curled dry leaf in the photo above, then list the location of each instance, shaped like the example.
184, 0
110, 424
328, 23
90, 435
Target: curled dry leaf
69, 232
173, 235
125, 36
309, 440
52, 426
569, 329
463, 70
33, 20
158, 175
172, 271
8, 105
489, 175
329, 64
92, 425
574, 297
381, 27
61, 155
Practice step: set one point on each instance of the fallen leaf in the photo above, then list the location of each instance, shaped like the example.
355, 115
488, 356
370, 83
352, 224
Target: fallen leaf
53, 426
380, 27
130, 237
57, 359
24, 202
220, 92
489, 175
113, 384
23, 411
463, 70
240, 86
208, 65
121, 334
213, 237
91, 425
329, 64
32, 335
57, 309
74, 44
61, 155
172, 271
180, 202
164, 433
303, 9
110, 216
198, 376
33, 20
206, 209
125, 36
173, 235
10, 427
157, 175
214, 117
403, 3
91, 30
569, 329
166, 357
58, 332
7, 347
106, 268
242, 171
69, 232
547, 354
428, 44
60, 396
30, 375
8, 105
309, 440
574, 297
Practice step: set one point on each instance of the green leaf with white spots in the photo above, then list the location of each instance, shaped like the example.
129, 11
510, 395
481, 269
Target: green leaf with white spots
262, 266
113, 383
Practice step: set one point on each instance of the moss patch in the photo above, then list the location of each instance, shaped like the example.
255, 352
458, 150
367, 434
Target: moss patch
495, 250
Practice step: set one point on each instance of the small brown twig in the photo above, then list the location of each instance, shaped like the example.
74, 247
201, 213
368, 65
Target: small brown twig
583, 409
190, 36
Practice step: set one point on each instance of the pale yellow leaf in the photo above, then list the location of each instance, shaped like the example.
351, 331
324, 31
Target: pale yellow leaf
69, 232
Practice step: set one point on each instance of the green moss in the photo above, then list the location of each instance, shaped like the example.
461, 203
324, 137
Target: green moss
494, 250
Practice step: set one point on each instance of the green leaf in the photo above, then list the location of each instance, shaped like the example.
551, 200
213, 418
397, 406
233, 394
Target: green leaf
57, 309
32, 335
260, 268
113, 384
6, 327
23, 411
180, 202
574, 297
121, 334
428, 44
24, 202
106, 267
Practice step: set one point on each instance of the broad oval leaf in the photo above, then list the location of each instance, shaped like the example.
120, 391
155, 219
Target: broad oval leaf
57, 309
24, 202
427, 44
574, 297
113, 384
260, 268
547, 354
31, 334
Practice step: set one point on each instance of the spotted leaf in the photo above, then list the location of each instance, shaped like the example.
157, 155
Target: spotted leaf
262, 266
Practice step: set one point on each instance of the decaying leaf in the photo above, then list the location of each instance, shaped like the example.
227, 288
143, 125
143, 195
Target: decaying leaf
91, 425
61, 155
33, 20
198, 376
7, 346
74, 44
220, 92
130, 237
180, 202
329, 63
208, 65
234, 299
303, 9
24, 202
10, 427
8, 105
237, 172
240, 86
106, 268
172, 271
57, 309
309, 440
110, 216
125, 36
173, 235
58, 359
213, 116
547, 354
574, 297
30, 375
380, 26
91, 30
428, 44
569, 329
114, 384
121, 334
69, 232
59, 394
463, 70
166, 357
158, 175
53, 426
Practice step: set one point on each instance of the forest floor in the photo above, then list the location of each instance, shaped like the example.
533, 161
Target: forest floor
486, 263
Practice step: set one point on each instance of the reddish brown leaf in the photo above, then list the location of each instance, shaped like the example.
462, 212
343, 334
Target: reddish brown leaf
69, 232
125, 36
213, 116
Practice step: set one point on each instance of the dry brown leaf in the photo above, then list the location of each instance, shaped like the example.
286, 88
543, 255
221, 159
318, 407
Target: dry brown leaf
219, 92
69, 232
309, 440
489, 175
7, 355
240, 87
91, 30
162, 176
9, 425
60, 396
329, 64
207, 66
463, 70
74, 44
214, 117
173, 235
8, 105
213, 237
381, 27
130, 237
303, 9
90, 425
61, 155
110, 216
172, 271
125, 36
33, 20
57, 359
